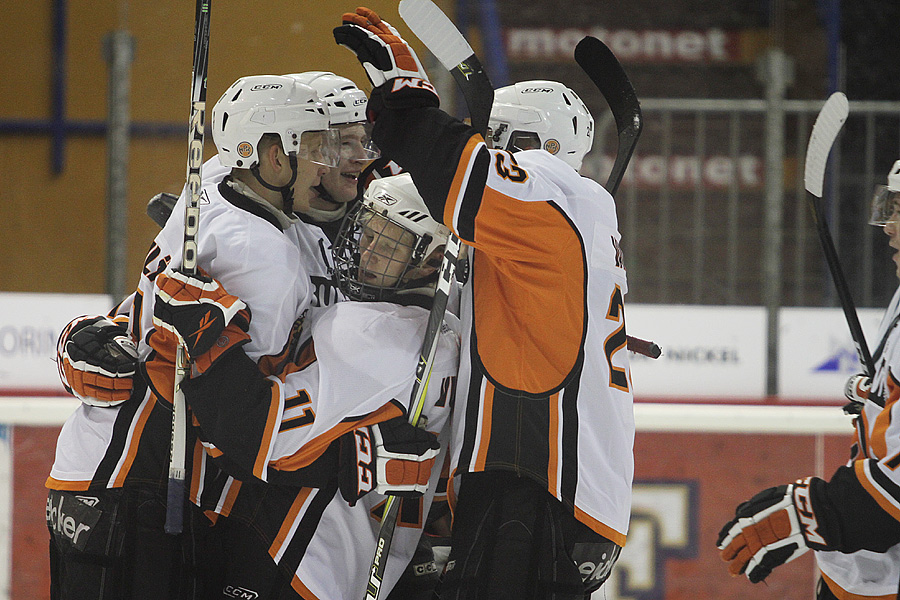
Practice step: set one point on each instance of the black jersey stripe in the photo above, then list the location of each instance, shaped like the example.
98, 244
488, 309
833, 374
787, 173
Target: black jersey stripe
569, 434
117, 447
308, 526
473, 401
471, 200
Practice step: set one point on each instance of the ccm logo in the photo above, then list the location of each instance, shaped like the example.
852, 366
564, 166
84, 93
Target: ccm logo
265, 86
237, 592
537, 91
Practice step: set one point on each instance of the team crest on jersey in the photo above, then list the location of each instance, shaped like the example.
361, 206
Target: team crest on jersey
244, 149
551, 146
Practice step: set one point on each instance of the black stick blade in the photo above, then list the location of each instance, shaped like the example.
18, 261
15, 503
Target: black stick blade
604, 69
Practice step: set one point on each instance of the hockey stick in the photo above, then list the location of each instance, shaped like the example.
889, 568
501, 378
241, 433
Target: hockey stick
604, 69
160, 207
445, 41
824, 133
177, 449
643, 347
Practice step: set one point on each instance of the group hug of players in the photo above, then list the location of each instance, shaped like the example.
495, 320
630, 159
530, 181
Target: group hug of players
318, 266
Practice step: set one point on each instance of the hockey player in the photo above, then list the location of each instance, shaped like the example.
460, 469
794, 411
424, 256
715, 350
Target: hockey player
336, 420
111, 462
544, 446
97, 368
852, 520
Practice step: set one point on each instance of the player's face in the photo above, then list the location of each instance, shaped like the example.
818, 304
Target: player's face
340, 182
385, 249
309, 174
892, 230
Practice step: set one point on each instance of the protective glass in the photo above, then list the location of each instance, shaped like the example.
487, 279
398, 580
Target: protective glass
322, 147
885, 206
356, 142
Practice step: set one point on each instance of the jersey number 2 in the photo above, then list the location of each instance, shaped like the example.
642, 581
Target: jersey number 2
616, 341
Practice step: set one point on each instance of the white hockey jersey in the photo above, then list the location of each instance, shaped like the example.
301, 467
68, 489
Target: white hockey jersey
277, 267
364, 370
866, 574
546, 370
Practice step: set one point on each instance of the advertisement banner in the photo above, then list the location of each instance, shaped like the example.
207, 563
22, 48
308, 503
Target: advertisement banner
708, 351
816, 354
29, 327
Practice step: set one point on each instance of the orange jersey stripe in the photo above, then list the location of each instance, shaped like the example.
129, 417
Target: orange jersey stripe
135, 440
197, 470
316, 447
302, 589
878, 442
259, 466
860, 468
66, 486
553, 449
230, 497
288, 522
487, 408
604, 530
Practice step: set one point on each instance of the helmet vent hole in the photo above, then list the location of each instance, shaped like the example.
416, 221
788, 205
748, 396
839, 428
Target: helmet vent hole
224, 120
237, 95
575, 124
566, 98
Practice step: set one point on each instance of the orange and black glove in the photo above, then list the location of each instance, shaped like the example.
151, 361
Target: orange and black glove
97, 360
776, 526
396, 73
197, 312
392, 457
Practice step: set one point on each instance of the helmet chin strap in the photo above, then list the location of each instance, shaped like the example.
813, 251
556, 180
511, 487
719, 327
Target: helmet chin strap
287, 190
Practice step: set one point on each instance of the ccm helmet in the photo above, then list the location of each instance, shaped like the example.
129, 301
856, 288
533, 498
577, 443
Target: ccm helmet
260, 104
347, 106
886, 200
384, 240
542, 114
346, 102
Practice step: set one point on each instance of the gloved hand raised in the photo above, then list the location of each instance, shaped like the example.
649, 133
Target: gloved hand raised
392, 458
97, 360
387, 59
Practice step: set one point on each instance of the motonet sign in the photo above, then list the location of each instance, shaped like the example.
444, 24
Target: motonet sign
630, 45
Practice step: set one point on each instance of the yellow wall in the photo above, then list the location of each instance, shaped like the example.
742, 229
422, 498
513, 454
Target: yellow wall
54, 227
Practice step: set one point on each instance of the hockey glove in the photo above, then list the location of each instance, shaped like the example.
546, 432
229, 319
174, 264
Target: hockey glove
205, 318
774, 527
97, 360
392, 458
397, 75
856, 390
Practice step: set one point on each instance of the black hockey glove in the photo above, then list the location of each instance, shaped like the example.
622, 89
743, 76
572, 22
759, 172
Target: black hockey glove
197, 311
397, 76
392, 458
97, 361
776, 526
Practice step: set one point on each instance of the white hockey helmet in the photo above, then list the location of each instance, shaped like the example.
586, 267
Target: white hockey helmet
261, 104
542, 114
384, 240
347, 106
886, 200
346, 102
